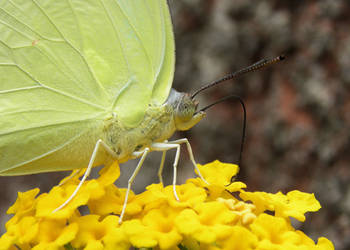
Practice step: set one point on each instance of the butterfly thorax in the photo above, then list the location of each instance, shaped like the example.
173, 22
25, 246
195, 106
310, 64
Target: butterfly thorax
159, 124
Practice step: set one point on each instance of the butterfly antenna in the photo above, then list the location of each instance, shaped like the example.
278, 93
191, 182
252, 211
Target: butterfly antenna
254, 67
243, 126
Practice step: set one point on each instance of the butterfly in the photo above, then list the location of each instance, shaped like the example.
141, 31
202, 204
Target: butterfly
85, 82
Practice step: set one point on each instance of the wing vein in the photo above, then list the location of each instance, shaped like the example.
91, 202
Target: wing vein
118, 36
39, 110
16, 30
25, 72
137, 35
80, 53
126, 85
19, 89
52, 61
7, 64
123, 52
163, 42
55, 91
47, 153
49, 125
70, 44
24, 24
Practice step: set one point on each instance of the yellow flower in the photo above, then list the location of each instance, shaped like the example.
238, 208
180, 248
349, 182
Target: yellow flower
24, 205
218, 173
47, 203
161, 222
277, 233
110, 199
24, 230
207, 216
244, 210
95, 233
155, 228
294, 204
112, 202
219, 177
188, 194
200, 225
240, 238
47, 238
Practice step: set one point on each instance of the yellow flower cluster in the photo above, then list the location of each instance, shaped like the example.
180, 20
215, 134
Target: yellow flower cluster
216, 216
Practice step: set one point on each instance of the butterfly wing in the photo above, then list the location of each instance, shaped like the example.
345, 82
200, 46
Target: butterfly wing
65, 65
151, 68
147, 45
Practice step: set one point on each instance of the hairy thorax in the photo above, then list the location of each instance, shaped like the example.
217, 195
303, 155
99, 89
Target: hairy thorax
157, 126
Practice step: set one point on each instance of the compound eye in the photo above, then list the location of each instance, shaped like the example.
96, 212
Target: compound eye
185, 112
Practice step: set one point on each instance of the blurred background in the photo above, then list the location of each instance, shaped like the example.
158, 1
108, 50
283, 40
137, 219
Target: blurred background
298, 111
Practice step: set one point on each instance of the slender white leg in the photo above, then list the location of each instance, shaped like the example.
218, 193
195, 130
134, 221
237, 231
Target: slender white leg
165, 147
75, 173
177, 156
189, 149
161, 167
87, 172
131, 180
160, 171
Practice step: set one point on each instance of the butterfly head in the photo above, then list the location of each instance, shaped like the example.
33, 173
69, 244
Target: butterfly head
184, 110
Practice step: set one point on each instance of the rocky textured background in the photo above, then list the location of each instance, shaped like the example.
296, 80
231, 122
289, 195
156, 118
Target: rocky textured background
298, 127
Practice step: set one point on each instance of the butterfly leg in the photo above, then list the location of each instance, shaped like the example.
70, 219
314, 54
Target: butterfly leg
189, 149
131, 180
165, 147
160, 171
71, 176
98, 144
